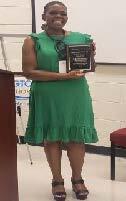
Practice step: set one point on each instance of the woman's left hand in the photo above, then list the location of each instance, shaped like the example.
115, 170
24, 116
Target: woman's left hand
94, 48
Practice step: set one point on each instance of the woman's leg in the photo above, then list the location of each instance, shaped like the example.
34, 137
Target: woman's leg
76, 153
53, 153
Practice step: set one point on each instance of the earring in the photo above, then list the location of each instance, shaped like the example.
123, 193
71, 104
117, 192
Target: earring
44, 26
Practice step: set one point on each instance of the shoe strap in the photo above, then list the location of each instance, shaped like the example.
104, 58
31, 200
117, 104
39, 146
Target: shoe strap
56, 183
79, 181
61, 194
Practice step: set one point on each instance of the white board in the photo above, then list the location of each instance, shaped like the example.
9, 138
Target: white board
105, 20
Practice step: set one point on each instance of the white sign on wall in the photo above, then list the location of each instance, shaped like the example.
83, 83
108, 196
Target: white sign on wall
22, 89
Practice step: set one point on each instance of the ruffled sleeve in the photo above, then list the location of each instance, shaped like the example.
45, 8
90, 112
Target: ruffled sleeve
87, 38
35, 38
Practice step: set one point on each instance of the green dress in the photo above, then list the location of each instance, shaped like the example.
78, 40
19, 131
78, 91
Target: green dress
59, 110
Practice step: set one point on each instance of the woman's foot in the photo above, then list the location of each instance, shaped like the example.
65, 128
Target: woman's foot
58, 190
80, 189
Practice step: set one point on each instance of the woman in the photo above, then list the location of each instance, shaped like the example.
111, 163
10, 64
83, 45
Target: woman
60, 103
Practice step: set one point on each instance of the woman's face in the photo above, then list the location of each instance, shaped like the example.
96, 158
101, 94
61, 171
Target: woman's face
56, 16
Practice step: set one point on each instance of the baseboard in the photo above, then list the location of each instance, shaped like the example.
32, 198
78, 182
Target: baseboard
107, 63
94, 149
102, 150
97, 149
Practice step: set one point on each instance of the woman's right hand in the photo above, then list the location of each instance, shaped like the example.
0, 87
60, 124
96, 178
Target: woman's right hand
75, 74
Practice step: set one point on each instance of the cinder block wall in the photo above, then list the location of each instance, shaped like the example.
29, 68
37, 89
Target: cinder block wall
107, 85
108, 90
15, 18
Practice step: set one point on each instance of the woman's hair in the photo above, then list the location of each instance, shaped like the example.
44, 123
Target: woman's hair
51, 3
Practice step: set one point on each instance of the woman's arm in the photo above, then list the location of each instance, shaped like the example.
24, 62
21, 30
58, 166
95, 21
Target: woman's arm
29, 66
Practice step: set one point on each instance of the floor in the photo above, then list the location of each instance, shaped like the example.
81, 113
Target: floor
34, 180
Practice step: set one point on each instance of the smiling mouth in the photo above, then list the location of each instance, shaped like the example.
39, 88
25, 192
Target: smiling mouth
58, 21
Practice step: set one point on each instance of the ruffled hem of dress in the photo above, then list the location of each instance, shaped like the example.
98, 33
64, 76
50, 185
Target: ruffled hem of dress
65, 135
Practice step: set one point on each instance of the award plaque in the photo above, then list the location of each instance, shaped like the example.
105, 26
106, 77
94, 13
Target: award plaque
80, 57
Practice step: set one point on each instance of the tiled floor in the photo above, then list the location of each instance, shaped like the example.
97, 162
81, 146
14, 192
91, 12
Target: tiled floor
34, 180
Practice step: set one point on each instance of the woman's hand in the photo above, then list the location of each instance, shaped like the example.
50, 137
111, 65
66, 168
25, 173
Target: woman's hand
94, 48
75, 74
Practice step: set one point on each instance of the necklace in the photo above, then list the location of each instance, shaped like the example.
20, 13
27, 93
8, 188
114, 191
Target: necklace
59, 45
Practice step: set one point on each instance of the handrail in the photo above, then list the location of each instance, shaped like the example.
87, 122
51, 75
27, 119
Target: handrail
13, 35
4, 52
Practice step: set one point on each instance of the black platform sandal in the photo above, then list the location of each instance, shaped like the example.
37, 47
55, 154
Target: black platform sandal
80, 194
58, 196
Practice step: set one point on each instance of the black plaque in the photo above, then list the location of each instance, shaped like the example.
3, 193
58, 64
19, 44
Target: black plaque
80, 57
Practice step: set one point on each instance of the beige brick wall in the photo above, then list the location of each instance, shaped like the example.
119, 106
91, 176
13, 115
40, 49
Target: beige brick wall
15, 18
108, 91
